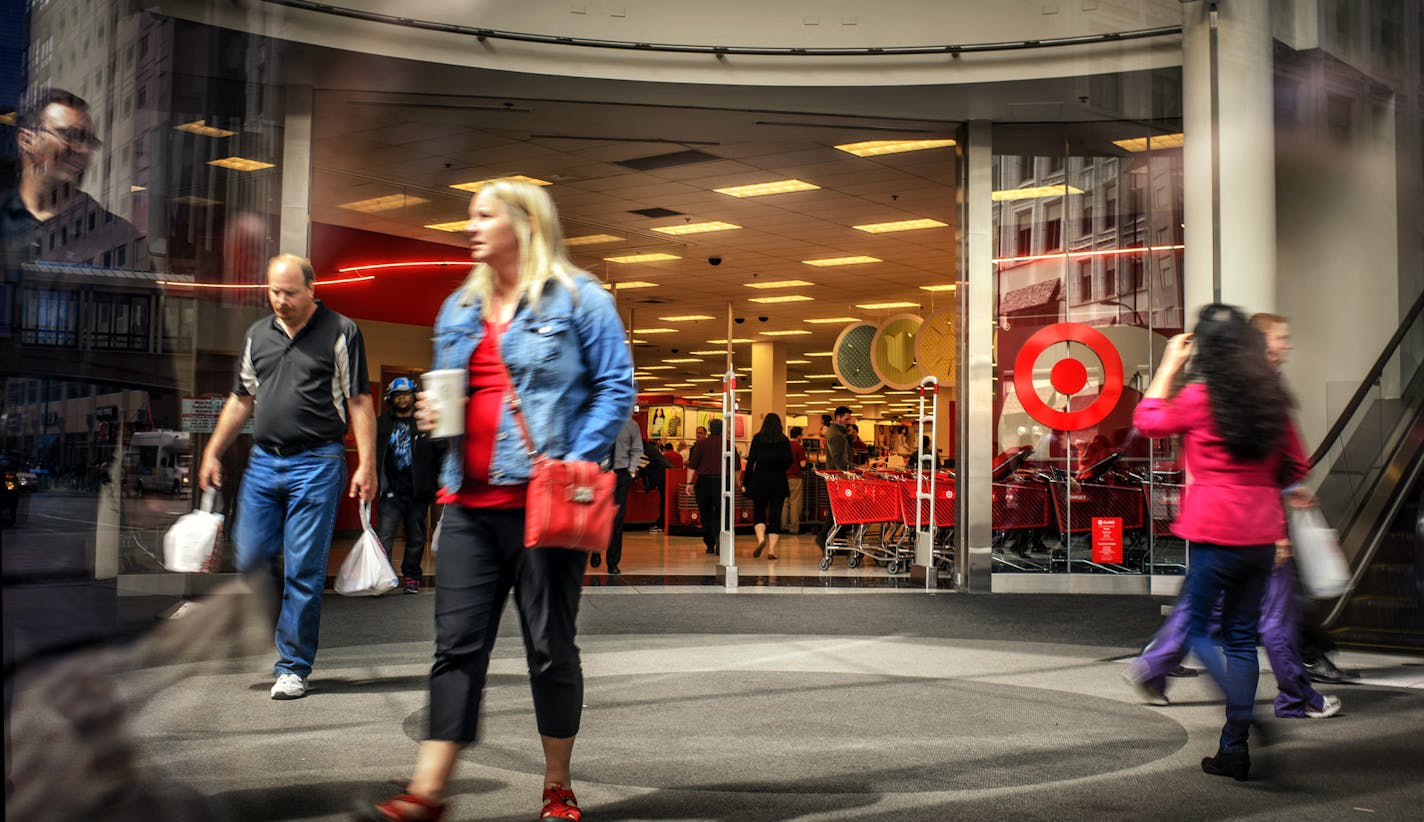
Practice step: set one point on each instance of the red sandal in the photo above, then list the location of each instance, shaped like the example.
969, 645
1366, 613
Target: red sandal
560, 803
389, 811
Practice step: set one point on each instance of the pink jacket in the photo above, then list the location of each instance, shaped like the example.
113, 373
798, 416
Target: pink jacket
1226, 502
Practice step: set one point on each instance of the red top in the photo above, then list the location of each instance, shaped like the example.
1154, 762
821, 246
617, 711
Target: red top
798, 456
1226, 501
489, 390
674, 459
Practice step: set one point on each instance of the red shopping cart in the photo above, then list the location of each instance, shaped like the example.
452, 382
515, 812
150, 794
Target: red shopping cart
857, 503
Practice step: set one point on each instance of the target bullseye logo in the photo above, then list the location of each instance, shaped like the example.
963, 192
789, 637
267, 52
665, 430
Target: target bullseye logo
1068, 376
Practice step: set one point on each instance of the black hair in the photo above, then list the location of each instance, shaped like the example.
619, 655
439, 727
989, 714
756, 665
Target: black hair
771, 429
842, 409
30, 118
714, 426
795, 432
1249, 404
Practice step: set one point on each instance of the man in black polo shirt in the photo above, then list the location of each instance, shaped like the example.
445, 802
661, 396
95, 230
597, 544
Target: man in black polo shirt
302, 378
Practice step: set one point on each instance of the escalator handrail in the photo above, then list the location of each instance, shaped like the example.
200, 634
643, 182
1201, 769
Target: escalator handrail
1367, 383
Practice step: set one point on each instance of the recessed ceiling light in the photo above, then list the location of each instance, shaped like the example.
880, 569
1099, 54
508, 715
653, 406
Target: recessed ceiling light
677, 385
821, 376
636, 284
478, 184
201, 127
681, 359
799, 394
941, 287
704, 379
820, 390
655, 331
724, 342
760, 189
899, 225
791, 333
453, 225
658, 368
389, 202
686, 318
881, 306
711, 353
779, 284
875, 148
782, 298
1033, 192
240, 164
833, 261
798, 362
696, 228
820, 353
831, 320
591, 239
1156, 141
643, 258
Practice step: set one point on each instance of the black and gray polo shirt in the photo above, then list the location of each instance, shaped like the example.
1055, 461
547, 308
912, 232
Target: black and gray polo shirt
300, 386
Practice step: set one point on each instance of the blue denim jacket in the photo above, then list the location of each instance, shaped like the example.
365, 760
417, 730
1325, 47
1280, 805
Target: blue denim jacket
570, 365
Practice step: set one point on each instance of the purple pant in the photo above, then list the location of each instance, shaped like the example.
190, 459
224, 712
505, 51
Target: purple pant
1279, 632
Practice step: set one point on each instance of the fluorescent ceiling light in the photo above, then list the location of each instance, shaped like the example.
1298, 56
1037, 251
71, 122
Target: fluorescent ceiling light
820, 353
658, 368
875, 148
696, 228
821, 376
799, 394
779, 284
136, 189
783, 298
820, 390
797, 382
686, 318
591, 239
389, 202
761, 189
201, 127
712, 353
735, 340
831, 261
798, 362
880, 306
677, 385
636, 284
943, 287
478, 184
831, 320
791, 333
194, 200
1156, 141
1033, 192
704, 379
681, 359
240, 164
643, 258
655, 331
453, 225
899, 225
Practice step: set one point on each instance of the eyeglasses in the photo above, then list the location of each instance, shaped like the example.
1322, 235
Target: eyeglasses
74, 135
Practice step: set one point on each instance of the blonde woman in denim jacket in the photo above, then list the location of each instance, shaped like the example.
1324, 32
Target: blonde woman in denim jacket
524, 307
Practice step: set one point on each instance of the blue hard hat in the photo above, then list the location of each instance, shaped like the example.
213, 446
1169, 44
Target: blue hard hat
400, 384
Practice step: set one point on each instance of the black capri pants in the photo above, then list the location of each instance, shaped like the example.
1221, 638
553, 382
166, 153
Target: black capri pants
767, 511
482, 556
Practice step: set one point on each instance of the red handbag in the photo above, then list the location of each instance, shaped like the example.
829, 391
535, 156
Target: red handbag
569, 502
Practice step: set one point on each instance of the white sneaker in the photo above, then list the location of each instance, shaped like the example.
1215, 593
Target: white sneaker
289, 686
1330, 708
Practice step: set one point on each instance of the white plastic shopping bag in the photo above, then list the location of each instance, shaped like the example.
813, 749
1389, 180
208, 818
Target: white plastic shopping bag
191, 545
1323, 571
367, 571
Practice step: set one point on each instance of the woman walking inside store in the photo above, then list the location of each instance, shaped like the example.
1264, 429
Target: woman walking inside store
768, 457
526, 323
1241, 449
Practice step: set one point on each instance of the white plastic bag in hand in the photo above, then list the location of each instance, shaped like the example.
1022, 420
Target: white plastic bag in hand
191, 545
367, 571
1323, 571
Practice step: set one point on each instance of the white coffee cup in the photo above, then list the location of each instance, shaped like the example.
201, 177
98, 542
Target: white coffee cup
446, 391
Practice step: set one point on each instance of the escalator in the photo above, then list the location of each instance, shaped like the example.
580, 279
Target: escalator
1371, 470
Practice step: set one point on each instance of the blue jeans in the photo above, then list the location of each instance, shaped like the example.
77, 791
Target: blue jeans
287, 506
1237, 576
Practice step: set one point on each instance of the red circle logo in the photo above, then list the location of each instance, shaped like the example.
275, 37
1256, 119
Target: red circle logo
1068, 376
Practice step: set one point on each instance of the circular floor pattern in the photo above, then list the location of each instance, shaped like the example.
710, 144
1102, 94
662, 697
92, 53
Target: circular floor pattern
798, 732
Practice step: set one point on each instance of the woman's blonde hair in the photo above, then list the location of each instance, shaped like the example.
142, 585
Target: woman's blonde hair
542, 255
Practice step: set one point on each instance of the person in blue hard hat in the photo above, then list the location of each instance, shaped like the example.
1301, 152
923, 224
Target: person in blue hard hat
407, 460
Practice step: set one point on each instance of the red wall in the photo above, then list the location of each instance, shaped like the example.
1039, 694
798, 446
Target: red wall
397, 295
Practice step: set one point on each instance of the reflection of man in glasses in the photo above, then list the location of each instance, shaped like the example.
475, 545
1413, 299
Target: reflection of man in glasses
47, 217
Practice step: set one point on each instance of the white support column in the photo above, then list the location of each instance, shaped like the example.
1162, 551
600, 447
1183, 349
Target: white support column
295, 231
1229, 202
768, 381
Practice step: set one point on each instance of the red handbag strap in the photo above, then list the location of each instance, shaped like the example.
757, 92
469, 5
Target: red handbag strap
515, 406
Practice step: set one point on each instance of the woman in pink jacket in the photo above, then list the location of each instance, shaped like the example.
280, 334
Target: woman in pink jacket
1240, 450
